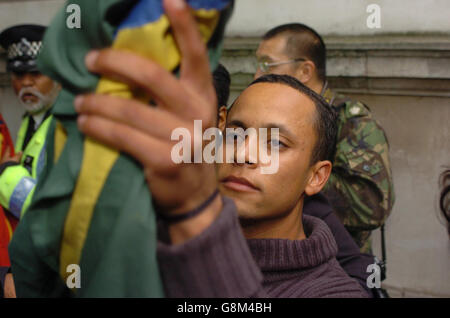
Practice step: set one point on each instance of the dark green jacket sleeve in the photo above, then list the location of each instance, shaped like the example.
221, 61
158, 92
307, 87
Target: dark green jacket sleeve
32, 277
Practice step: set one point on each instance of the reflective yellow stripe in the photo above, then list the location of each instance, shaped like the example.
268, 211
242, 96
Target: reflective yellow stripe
87, 190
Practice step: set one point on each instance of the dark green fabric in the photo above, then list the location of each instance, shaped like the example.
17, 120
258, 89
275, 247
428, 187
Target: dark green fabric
128, 252
64, 49
34, 249
119, 256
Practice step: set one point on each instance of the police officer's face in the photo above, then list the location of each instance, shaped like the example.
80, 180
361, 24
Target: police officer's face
34, 80
273, 51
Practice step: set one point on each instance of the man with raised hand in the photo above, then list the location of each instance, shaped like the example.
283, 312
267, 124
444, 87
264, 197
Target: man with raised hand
204, 252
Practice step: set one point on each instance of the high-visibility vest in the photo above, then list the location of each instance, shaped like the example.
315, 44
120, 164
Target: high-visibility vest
17, 182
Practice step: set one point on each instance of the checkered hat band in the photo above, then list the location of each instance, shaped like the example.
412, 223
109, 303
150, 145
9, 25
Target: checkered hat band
25, 49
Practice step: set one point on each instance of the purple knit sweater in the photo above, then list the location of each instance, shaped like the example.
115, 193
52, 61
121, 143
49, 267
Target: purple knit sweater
220, 262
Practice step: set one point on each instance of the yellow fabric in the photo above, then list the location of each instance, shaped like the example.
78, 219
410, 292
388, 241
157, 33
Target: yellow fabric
206, 21
167, 54
98, 160
60, 140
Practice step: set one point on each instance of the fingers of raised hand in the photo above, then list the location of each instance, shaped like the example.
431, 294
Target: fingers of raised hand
194, 65
145, 74
138, 72
136, 128
147, 149
153, 121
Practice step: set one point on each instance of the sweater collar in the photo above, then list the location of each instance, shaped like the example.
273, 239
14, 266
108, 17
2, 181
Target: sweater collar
289, 255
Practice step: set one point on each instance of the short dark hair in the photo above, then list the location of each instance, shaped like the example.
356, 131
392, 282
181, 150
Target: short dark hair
302, 41
221, 80
325, 121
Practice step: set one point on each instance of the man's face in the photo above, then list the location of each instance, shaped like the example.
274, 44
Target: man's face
265, 196
272, 51
34, 90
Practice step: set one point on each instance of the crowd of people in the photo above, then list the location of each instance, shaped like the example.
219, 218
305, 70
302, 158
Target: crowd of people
224, 229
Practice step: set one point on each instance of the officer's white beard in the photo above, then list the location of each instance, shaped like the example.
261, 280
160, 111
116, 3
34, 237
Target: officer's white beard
44, 101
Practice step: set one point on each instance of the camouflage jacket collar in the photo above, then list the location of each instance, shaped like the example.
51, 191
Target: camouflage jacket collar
328, 94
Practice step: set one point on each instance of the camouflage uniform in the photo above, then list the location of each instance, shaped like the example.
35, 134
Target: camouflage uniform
360, 187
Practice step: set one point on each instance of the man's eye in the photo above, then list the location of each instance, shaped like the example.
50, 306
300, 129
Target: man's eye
232, 136
276, 143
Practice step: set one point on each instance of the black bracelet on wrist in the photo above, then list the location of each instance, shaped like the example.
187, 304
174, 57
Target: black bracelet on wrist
172, 219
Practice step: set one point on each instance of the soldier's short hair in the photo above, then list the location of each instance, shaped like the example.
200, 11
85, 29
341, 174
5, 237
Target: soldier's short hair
326, 117
302, 42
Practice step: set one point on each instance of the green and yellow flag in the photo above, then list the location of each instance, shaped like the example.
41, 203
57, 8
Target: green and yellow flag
92, 217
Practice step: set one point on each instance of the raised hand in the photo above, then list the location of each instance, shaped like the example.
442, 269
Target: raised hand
144, 131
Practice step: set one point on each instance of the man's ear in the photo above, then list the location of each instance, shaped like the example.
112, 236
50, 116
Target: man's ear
305, 72
320, 172
222, 117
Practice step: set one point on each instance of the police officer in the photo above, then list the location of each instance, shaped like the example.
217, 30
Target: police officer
37, 93
360, 187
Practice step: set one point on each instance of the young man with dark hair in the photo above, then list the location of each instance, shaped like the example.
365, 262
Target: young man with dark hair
204, 252
349, 256
360, 188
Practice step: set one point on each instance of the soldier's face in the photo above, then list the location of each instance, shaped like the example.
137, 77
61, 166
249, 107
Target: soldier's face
272, 51
34, 90
269, 196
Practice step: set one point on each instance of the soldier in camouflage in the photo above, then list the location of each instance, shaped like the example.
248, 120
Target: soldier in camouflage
360, 188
